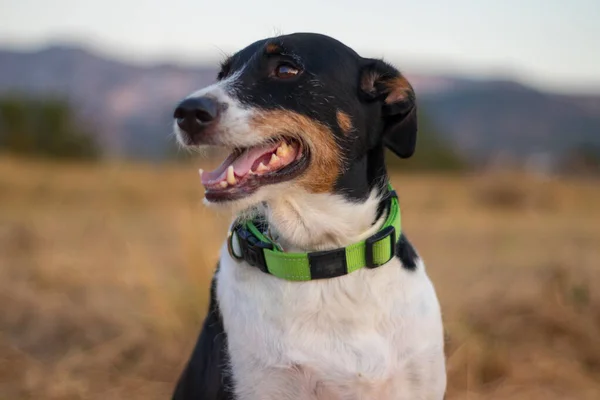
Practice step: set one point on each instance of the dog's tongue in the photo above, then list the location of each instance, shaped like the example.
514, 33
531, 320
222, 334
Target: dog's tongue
242, 163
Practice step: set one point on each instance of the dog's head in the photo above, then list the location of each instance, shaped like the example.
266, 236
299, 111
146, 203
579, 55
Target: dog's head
300, 111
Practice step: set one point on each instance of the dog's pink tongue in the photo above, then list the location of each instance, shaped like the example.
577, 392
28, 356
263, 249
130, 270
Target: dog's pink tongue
241, 164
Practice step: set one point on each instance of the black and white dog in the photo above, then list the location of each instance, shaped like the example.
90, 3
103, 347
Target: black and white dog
318, 293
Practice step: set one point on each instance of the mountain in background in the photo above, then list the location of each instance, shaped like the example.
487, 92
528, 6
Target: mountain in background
129, 107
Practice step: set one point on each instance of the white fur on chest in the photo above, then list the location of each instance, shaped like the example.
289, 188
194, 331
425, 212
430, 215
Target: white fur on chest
370, 334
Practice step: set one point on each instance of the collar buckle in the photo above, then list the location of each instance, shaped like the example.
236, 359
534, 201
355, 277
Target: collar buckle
252, 249
390, 232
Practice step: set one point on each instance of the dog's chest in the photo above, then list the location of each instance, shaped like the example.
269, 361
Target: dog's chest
369, 334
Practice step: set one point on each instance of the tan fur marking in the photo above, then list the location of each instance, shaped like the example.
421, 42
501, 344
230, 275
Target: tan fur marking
400, 89
367, 81
325, 162
272, 48
344, 122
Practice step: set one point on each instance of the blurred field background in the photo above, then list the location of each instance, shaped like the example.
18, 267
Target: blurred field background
106, 251
105, 269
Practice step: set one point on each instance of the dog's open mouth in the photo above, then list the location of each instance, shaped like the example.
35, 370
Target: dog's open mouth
245, 170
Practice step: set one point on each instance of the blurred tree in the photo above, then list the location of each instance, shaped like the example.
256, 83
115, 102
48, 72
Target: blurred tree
433, 153
43, 128
582, 160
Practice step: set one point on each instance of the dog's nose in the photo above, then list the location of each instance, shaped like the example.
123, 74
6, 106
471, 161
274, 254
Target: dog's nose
195, 114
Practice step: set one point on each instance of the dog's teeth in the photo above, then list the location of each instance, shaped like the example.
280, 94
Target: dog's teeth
200, 171
282, 150
223, 184
230, 176
274, 159
261, 168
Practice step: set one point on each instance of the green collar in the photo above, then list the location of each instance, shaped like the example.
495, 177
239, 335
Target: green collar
246, 242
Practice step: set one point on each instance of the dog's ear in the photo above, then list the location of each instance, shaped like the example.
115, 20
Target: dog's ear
383, 83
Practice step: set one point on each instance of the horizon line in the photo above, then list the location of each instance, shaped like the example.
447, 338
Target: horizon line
426, 64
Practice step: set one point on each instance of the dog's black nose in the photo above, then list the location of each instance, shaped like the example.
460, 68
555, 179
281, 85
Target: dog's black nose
195, 114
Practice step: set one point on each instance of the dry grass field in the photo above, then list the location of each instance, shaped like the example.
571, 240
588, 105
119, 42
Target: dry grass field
104, 273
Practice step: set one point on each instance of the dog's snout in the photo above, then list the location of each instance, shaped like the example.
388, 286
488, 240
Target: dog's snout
195, 114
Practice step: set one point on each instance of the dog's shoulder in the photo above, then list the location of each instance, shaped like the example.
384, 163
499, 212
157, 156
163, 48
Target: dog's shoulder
206, 375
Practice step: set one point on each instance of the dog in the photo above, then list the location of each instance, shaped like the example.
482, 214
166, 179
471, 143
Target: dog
318, 294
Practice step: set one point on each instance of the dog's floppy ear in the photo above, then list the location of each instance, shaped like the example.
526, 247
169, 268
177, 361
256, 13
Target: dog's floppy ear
382, 82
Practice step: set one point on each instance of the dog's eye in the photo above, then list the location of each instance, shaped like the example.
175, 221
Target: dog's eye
286, 71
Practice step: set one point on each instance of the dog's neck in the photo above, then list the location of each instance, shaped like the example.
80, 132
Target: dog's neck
302, 222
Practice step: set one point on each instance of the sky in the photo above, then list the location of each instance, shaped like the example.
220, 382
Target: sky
551, 44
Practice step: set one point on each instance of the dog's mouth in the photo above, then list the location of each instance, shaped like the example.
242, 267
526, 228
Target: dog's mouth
247, 169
